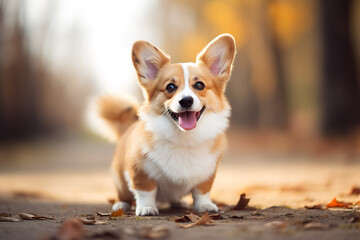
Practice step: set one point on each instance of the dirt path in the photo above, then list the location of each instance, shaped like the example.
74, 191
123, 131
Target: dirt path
270, 223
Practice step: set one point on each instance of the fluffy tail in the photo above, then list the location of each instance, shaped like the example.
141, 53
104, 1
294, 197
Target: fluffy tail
110, 116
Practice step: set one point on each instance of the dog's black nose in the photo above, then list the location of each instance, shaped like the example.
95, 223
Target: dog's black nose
186, 102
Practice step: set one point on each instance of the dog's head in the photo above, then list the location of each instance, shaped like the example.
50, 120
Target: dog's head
184, 92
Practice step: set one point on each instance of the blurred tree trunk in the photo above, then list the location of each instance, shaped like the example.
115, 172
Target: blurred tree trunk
340, 85
266, 69
17, 86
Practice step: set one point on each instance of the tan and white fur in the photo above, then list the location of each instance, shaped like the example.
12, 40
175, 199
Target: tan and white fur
170, 146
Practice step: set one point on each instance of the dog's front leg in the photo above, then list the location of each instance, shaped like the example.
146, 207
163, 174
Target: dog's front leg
146, 202
200, 194
144, 190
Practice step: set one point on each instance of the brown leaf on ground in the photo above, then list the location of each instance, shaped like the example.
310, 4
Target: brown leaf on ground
354, 219
317, 206
192, 217
98, 222
102, 214
90, 220
242, 203
336, 204
87, 220
5, 215
187, 218
215, 216
275, 224
71, 229
118, 213
316, 226
28, 216
150, 232
355, 191
257, 213
204, 220
8, 219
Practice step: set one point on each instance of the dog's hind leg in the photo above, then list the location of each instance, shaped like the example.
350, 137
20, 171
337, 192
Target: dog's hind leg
124, 194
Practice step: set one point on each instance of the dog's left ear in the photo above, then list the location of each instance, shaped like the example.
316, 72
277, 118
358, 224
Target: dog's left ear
218, 55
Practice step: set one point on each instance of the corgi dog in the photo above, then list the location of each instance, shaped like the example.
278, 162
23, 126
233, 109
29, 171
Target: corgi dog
171, 145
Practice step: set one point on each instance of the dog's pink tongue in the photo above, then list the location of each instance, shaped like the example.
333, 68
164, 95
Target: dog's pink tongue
187, 120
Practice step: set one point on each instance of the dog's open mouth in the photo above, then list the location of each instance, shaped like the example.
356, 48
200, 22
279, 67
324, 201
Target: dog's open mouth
188, 119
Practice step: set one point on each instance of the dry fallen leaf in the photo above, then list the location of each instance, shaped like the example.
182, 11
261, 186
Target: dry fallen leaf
98, 222
215, 216
318, 206
315, 225
28, 216
257, 213
242, 203
8, 219
204, 220
87, 220
336, 204
150, 232
102, 214
118, 213
354, 219
187, 218
71, 229
5, 215
355, 191
276, 224
180, 219
90, 220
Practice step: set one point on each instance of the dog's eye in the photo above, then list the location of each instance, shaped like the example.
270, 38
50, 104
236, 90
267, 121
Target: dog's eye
171, 87
199, 85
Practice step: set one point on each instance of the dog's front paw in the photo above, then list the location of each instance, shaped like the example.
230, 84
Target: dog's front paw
207, 207
121, 205
146, 211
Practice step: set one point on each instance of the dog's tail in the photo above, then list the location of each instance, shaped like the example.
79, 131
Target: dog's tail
110, 116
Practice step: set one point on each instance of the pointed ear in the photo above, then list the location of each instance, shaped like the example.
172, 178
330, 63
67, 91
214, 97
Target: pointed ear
218, 55
147, 60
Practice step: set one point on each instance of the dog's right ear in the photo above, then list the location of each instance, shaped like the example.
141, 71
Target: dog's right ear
147, 60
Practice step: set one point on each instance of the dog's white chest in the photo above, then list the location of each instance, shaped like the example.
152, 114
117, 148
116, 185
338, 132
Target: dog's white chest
180, 160
177, 169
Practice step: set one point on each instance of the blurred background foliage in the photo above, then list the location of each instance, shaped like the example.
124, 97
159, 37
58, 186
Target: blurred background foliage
296, 69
